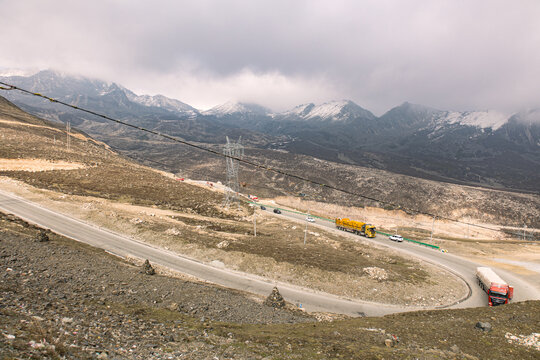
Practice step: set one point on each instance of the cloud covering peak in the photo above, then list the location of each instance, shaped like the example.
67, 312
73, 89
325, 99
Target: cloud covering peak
451, 54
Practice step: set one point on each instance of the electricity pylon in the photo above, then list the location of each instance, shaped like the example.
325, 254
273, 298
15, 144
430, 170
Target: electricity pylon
231, 151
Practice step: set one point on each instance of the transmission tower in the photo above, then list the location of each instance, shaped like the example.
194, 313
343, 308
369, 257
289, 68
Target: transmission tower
232, 150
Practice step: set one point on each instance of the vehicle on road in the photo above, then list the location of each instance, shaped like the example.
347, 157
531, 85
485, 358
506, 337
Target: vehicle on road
498, 291
310, 219
396, 237
263, 207
277, 211
356, 227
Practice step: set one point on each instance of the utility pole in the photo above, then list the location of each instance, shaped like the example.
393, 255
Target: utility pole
68, 137
305, 230
255, 223
432, 228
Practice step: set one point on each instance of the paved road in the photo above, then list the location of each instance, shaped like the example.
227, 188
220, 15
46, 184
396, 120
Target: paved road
459, 266
123, 246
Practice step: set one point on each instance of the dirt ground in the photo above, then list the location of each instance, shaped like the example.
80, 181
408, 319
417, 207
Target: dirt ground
328, 262
483, 244
36, 165
115, 193
61, 299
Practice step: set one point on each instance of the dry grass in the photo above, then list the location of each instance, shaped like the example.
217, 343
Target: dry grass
153, 207
328, 262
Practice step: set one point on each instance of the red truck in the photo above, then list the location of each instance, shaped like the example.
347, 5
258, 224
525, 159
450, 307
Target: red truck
498, 291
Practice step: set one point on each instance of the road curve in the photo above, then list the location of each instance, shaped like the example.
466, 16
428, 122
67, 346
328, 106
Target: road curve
461, 267
123, 246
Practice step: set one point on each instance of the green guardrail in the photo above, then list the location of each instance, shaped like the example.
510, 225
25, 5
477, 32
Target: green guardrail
332, 220
413, 241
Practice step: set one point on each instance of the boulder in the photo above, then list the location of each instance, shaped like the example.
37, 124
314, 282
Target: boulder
484, 326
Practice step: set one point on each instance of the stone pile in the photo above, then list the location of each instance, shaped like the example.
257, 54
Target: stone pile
42, 236
148, 269
275, 299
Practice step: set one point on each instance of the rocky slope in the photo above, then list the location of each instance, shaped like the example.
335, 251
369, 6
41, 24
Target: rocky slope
60, 299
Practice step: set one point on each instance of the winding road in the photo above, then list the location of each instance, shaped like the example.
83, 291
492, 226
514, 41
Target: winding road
461, 267
310, 300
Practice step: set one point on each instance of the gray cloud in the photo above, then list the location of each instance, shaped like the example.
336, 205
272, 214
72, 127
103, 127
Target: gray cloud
448, 54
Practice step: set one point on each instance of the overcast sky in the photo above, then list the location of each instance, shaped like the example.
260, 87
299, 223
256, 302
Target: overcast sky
452, 55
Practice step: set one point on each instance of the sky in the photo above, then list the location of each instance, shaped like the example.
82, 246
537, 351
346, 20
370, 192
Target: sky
451, 55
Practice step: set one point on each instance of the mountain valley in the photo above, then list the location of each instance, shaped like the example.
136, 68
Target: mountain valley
478, 148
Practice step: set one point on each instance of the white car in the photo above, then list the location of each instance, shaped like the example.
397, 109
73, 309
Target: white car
397, 238
310, 219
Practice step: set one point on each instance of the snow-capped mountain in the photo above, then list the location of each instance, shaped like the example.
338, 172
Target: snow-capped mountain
335, 111
479, 147
163, 102
300, 111
480, 119
237, 108
72, 89
409, 114
154, 112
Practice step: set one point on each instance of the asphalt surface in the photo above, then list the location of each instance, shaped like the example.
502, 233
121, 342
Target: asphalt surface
310, 300
461, 267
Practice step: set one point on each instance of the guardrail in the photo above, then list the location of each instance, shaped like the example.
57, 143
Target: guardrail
413, 241
331, 220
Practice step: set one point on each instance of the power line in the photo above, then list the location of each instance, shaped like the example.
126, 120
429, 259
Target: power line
241, 160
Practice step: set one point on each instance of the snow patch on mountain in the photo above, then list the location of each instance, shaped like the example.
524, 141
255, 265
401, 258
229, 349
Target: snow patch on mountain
161, 102
300, 110
231, 107
481, 119
330, 111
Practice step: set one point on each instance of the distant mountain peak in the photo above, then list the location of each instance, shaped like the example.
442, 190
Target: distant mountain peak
300, 110
161, 101
232, 107
482, 119
408, 113
340, 110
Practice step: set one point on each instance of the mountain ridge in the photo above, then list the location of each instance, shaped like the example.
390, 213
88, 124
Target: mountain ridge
485, 148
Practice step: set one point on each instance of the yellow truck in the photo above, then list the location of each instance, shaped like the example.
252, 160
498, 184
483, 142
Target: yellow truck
356, 227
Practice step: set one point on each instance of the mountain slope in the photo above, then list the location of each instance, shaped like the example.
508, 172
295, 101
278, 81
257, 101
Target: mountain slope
482, 148
158, 112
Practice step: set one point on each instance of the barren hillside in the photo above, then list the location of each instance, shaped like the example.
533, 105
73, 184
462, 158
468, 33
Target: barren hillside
92, 182
58, 298
442, 199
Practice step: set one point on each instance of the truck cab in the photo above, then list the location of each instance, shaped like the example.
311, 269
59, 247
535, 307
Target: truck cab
499, 294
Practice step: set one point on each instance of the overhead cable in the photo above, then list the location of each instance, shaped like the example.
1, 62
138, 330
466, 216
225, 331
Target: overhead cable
247, 162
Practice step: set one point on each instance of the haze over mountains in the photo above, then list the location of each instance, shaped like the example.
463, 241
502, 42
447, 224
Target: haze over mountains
477, 147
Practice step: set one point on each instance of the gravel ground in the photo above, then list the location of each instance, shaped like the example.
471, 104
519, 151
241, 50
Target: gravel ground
60, 299
87, 303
